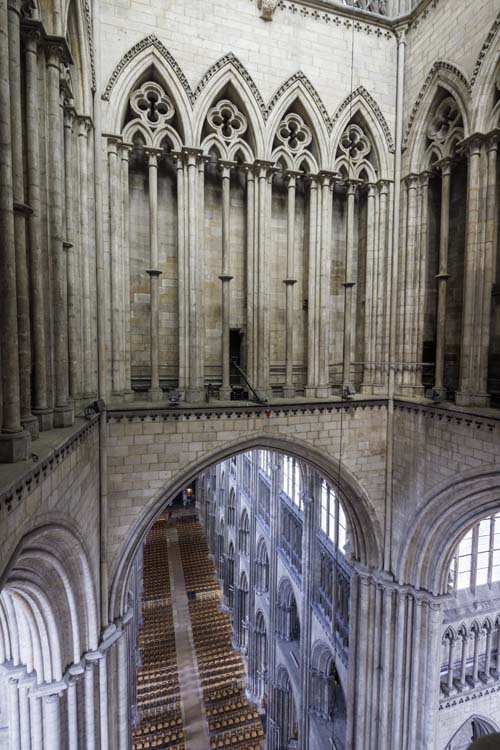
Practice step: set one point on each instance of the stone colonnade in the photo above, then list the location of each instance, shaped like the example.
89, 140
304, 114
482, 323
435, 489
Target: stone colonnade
47, 267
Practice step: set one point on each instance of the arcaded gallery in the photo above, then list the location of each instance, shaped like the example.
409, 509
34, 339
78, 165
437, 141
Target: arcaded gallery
249, 374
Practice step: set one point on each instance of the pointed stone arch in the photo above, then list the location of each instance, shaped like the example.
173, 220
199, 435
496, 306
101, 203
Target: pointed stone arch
299, 88
228, 71
448, 76
360, 100
484, 79
148, 52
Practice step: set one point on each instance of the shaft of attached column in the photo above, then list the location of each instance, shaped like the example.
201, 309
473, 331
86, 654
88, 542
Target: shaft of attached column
154, 274
63, 413
370, 286
14, 442
289, 282
225, 391
126, 379
442, 277
348, 286
312, 323
323, 289
409, 354
71, 245
20, 215
38, 323
115, 221
52, 722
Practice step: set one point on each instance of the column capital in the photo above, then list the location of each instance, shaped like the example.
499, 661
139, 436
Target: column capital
424, 178
191, 155
411, 181
85, 125
225, 277
445, 165
125, 149
153, 272
113, 143
49, 690
371, 188
383, 186
226, 165
57, 50
152, 155
492, 140
32, 34
471, 145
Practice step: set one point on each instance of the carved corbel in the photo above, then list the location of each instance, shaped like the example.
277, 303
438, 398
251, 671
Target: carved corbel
267, 8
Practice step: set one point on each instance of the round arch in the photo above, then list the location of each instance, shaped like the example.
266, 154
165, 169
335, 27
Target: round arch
437, 527
364, 523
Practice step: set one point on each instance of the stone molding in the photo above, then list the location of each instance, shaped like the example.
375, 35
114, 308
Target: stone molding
15, 493
438, 65
467, 418
364, 94
231, 60
463, 698
484, 49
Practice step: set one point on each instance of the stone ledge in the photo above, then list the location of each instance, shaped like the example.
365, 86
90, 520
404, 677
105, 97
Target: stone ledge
52, 447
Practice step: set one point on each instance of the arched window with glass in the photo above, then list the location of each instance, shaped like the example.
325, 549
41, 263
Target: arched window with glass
333, 521
244, 533
476, 561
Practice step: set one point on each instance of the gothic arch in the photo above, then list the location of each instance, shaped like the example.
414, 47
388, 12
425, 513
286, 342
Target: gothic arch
361, 103
485, 78
147, 53
299, 88
228, 71
485, 726
363, 520
450, 78
437, 527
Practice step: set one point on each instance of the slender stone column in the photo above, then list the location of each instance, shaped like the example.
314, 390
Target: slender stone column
89, 693
74, 318
21, 213
308, 549
154, 273
313, 273
123, 692
36, 722
290, 281
382, 302
487, 665
25, 684
250, 271
442, 277
225, 277
370, 287
265, 174
348, 285
14, 714
126, 375
451, 663
423, 256
324, 276
14, 441
468, 393
38, 323
52, 722
409, 287
63, 412
116, 236
194, 340
72, 710
182, 273
103, 702
84, 126
490, 259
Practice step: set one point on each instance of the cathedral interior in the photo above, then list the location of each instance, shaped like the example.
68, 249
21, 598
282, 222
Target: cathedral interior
249, 374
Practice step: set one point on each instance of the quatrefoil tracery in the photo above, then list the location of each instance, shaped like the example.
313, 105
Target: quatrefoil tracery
294, 133
227, 121
355, 144
445, 122
152, 105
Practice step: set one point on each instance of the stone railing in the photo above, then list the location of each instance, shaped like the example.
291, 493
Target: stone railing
374, 6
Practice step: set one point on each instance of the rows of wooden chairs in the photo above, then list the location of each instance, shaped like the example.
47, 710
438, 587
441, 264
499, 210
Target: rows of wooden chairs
158, 693
233, 723
197, 566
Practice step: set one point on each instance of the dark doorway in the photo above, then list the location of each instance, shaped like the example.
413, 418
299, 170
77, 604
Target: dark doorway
236, 353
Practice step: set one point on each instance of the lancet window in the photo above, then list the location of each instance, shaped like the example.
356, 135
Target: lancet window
264, 500
291, 537
244, 533
231, 509
261, 653
262, 568
287, 618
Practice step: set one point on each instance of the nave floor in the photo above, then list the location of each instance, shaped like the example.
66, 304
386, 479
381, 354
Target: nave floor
191, 686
